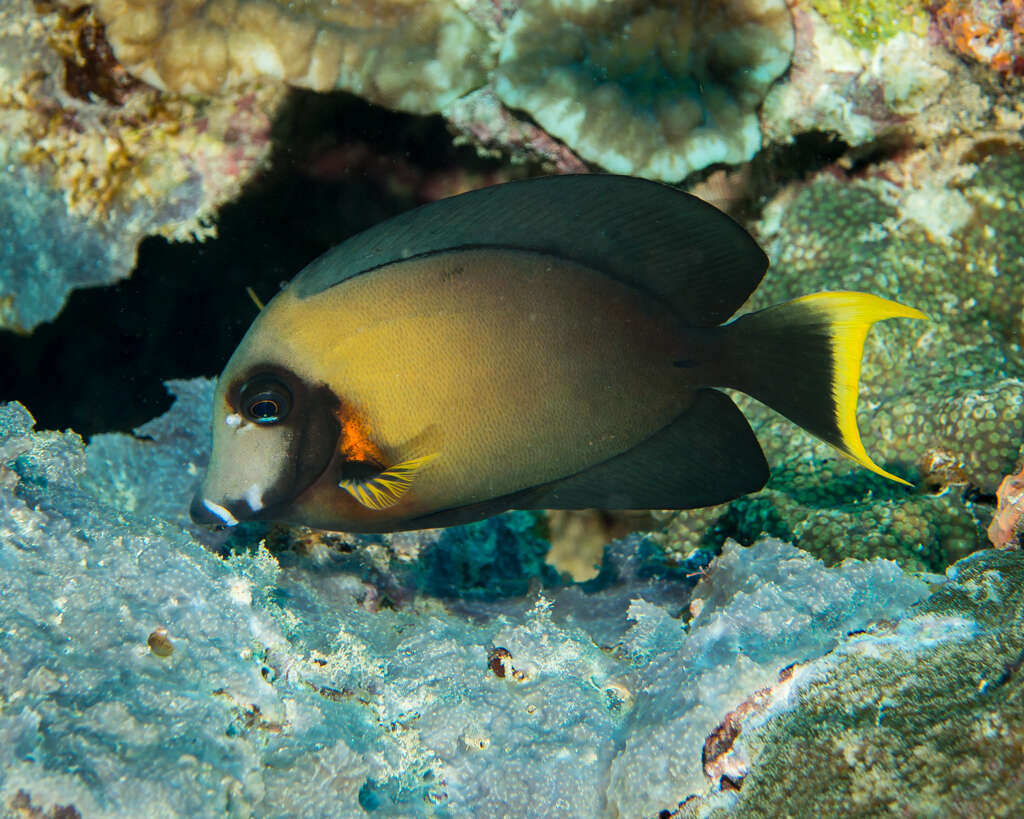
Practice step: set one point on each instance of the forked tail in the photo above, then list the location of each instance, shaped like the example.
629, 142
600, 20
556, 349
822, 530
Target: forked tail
802, 358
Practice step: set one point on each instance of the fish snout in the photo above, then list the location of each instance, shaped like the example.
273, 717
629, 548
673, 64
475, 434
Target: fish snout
210, 513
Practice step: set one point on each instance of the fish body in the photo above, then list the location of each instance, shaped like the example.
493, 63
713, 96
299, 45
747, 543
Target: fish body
543, 344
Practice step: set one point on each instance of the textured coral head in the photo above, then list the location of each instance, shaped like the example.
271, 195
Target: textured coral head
651, 89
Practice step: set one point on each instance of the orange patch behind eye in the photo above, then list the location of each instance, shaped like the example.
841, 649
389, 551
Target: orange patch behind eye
355, 443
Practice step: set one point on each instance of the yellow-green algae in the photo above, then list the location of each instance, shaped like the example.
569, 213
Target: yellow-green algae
869, 22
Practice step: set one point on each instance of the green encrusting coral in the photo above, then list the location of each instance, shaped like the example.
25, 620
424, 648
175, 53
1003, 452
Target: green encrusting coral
836, 513
867, 23
940, 403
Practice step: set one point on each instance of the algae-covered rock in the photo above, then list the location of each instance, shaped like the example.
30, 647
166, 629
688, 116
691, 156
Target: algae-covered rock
917, 718
866, 22
868, 74
92, 161
988, 32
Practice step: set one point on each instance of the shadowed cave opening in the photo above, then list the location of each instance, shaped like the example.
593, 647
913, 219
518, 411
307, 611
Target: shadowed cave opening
338, 166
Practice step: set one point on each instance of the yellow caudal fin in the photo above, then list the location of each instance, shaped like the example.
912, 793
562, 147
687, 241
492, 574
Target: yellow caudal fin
385, 489
803, 359
850, 316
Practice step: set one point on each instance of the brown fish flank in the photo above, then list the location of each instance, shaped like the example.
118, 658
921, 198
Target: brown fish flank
453, 351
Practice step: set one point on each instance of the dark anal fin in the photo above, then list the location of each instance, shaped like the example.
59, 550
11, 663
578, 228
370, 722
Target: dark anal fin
708, 455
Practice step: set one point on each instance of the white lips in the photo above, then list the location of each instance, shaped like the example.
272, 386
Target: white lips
220, 512
254, 497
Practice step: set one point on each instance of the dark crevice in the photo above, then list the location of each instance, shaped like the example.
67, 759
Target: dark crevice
339, 166
782, 164
771, 170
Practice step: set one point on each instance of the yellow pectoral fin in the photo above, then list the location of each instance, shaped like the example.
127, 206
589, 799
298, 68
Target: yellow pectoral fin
386, 489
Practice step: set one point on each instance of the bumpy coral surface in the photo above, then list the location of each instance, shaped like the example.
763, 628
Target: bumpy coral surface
652, 89
141, 669
405, 54
949, 427
916, 718
93, 162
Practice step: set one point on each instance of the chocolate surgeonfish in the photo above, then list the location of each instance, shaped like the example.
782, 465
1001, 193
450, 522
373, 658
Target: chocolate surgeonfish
549, 343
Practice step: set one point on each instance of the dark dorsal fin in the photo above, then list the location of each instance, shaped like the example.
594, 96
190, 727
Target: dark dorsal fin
651, 236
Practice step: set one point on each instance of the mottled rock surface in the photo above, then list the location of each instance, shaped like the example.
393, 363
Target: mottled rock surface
92, 161
139, 668
917, 718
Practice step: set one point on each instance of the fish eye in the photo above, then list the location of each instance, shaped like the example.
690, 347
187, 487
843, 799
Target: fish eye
265, 400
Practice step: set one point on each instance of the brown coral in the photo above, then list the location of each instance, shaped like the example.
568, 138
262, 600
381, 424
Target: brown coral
405, 54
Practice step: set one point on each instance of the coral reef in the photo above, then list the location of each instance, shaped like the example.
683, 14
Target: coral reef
1008, 522
902, 87
734, 632
266, 685
950, 428
737, 660
413, 56
613, 81
479, 118
30, 293
641, 88
651, 89
916, 718
102, 161
987, 31
656, 90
